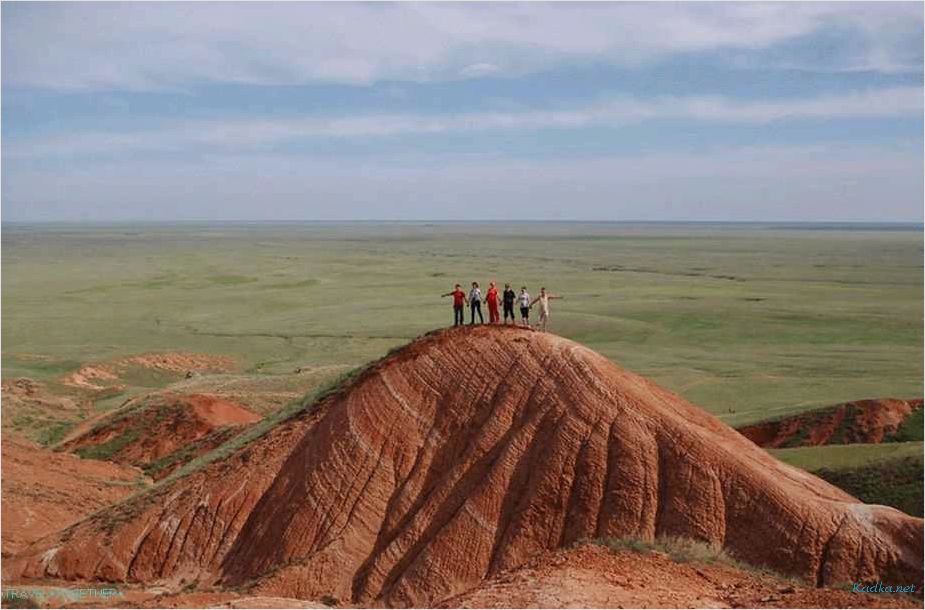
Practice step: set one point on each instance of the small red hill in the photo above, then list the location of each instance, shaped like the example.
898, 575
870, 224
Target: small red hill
158, 433
862, 421
467, 453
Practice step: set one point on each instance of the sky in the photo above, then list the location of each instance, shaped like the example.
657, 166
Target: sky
730, 111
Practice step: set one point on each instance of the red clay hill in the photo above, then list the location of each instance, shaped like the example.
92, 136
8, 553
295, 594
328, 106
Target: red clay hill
862, 421
159, 433
464, 454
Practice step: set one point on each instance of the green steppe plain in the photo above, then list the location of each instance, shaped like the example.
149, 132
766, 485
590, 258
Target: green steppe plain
747, 321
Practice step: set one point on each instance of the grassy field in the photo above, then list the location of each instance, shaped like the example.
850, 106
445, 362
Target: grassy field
747, 321
888, 473
843, 457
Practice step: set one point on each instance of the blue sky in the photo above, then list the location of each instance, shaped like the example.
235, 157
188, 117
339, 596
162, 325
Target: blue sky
597, 111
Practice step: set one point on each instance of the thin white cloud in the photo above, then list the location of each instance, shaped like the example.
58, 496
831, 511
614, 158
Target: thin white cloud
479, 70
156, 46
267, 133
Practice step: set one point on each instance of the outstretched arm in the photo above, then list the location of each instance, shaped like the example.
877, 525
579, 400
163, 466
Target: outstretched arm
556, 296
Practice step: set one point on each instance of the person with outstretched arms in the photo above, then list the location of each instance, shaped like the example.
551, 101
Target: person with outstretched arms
543, 300
459, 300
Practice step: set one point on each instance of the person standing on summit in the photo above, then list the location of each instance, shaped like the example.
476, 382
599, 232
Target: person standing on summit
543, 300
475, 303
507, 299
492, 299
459, 300
524, 299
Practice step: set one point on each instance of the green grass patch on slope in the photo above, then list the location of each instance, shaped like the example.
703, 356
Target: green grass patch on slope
887, 473
682, 550
913, 429
188, 452
798, 438
105, 451
840, 434
52, 433
896, 483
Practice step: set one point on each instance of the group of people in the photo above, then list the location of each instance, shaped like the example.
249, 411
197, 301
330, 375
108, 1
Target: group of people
507, 298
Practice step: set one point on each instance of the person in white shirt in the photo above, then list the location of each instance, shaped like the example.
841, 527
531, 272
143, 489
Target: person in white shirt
543, 300
475, 304
524, 300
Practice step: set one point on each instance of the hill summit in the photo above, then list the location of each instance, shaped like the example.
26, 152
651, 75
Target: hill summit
465, 453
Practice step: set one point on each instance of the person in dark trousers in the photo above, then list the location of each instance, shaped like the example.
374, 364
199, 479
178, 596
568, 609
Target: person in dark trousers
475, 304
459, 301
524, 300
507, 298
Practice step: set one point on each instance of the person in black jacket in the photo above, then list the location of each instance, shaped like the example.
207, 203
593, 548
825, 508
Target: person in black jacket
507, 298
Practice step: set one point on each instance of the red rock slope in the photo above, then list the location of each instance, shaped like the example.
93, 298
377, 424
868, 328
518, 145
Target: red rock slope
467, 453
862, 421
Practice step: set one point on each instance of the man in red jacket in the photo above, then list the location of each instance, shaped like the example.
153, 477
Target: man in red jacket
492, 299
459, 300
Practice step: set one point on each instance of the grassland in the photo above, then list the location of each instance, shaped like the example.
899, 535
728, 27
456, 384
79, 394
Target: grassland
749, 322
844, 457
887, 473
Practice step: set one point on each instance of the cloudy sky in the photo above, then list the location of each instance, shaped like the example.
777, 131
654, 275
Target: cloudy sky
601, 111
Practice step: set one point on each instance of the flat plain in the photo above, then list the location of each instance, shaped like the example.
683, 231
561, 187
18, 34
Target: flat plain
746, 321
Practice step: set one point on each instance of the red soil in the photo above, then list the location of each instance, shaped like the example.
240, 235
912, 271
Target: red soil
228, 600
591, 576
166, 424
585, 576
465, 454
45, 491
863, 421
217, 412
